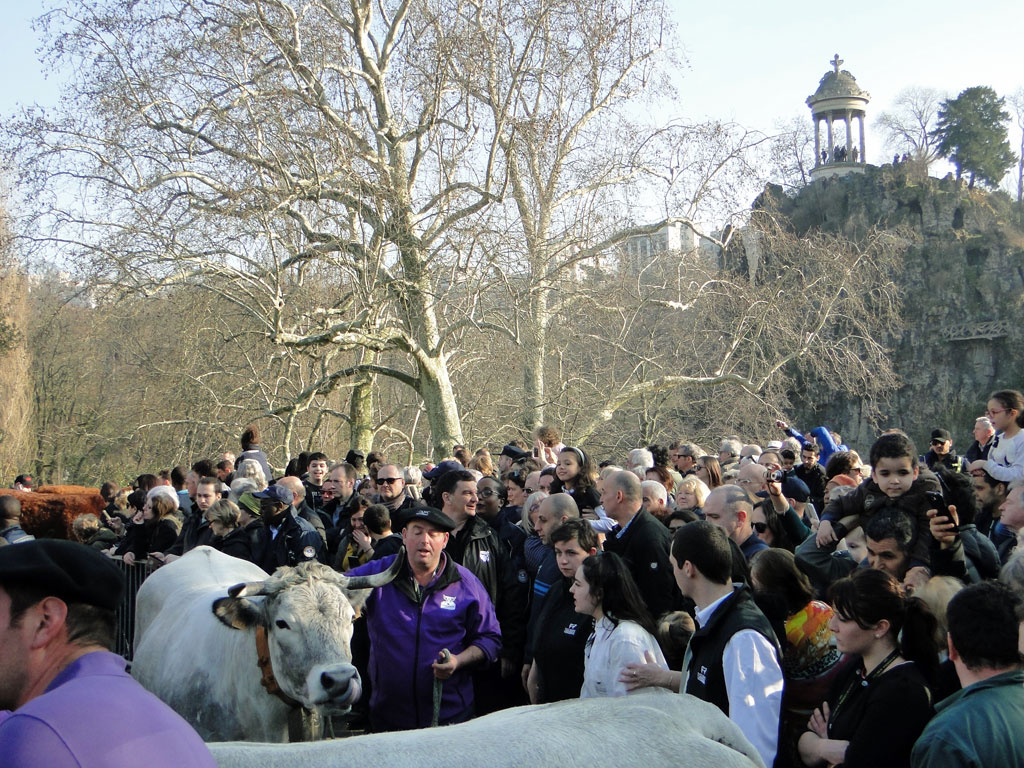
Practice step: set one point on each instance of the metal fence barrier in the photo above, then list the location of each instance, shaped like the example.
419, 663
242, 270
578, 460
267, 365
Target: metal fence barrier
134, 575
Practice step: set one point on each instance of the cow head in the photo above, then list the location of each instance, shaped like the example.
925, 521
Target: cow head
307, 612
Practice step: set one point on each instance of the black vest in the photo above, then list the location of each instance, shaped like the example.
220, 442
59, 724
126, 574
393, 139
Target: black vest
707, 678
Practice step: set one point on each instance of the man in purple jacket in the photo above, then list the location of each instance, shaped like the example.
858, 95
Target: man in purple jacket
73, 704
432, 605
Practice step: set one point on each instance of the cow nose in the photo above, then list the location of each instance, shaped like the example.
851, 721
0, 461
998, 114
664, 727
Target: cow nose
327, 681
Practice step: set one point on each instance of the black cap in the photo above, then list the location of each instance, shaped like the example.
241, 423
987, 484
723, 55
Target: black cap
73, 572
25, 480
513, 452
434, 517
941, 434
445, 466
351, 456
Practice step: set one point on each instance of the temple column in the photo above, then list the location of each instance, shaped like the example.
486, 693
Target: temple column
831, 140
849, 133
863, 157
817, 141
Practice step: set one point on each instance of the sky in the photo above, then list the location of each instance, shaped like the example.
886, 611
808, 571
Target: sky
751, 62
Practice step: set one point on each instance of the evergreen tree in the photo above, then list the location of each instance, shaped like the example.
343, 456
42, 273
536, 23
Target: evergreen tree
972, 134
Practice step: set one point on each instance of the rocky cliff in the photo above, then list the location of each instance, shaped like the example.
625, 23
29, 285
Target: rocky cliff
963, 280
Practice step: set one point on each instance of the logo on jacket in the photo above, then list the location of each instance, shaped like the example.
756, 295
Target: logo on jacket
309, 553
570, 630
485, 556
654, 566
702, 676
448, 602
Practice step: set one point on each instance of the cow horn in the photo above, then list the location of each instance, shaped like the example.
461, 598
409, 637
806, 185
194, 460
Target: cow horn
378, 579
246, 589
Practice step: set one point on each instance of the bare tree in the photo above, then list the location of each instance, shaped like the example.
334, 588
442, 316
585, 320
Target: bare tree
818, 305
562, 82
908, 126
792, 153
244, 147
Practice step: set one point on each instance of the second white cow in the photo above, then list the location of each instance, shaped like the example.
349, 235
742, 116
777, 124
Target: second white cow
644, 729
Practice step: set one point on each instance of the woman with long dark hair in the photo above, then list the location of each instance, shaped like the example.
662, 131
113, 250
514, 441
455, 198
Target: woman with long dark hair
624, 632
880, 703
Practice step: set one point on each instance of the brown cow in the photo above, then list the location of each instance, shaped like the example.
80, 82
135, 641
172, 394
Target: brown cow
49, 511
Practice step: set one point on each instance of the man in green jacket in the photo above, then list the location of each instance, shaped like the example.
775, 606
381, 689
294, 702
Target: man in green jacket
981, 724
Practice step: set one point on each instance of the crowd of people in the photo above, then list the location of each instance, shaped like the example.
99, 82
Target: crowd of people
839, 612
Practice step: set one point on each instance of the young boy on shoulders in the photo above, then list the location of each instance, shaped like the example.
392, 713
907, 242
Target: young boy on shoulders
897, 482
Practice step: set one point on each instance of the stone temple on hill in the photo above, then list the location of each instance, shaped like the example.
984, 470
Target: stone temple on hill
838, 103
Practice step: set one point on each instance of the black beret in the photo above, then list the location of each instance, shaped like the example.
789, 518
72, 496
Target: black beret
73, 572
434, 517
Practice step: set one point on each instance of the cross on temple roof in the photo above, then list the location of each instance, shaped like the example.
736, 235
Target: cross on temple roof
836, 61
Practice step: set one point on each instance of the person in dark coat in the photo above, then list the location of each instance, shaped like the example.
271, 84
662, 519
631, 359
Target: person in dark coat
984, 436
159, 527
251, 450
290, 540
229, 536
641, 540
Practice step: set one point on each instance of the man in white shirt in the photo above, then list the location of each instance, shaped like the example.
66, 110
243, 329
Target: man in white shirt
732, 660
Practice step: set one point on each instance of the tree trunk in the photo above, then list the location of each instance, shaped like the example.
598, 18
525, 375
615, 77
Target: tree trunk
535, 335
361, 414
435, 389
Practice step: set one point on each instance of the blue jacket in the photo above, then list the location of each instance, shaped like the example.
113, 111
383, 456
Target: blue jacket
823, 436
408, 627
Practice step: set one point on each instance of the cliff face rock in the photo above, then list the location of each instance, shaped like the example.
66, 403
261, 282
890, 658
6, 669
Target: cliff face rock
963, 280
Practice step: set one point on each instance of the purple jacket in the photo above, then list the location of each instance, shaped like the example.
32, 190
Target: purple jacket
93, 715
408, 627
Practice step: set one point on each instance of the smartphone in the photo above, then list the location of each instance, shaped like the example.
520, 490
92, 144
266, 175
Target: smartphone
936, 501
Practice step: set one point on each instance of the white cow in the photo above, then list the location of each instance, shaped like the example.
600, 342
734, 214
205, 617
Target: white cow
645, 729
196, 646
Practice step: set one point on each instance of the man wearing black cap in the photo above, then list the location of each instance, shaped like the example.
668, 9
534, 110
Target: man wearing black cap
510, 454
73, 703
432, 605
290, 540
941, 452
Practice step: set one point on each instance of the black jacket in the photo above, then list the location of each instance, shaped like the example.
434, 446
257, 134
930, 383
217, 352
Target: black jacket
478, 549
645, 545
236, 543
296, 542
195, 532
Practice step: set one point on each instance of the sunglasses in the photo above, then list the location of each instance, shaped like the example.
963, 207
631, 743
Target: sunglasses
937, 441
760, 527
387, 480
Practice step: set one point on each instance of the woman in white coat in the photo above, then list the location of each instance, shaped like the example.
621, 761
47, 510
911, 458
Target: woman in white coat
623, 629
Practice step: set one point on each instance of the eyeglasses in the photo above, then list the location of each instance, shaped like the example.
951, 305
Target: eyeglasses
990, 412
387, 480
760, 527
744, 482
486, 493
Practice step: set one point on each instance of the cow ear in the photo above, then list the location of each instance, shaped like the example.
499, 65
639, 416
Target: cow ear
236, 612
357, 599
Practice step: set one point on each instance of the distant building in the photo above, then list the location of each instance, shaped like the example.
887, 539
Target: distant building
636, 252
